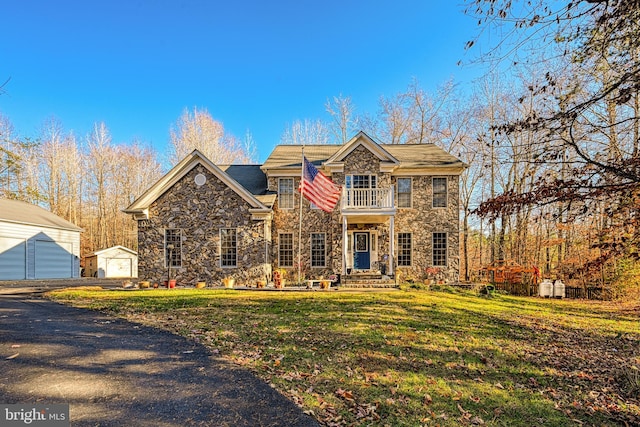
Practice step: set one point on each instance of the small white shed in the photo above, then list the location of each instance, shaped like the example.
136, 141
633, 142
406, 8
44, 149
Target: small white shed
36, 244
113, 262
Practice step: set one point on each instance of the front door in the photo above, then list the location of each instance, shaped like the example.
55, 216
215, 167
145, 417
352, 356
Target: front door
361, 251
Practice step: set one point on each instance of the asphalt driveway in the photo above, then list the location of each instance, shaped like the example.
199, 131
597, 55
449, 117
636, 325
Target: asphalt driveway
115, 373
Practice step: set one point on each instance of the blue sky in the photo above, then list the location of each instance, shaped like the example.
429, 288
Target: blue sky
256, 66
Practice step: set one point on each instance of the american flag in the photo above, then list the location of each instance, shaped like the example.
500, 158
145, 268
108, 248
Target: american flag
317, 188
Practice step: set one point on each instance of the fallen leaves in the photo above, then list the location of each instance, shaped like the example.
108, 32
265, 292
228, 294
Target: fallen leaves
461, 362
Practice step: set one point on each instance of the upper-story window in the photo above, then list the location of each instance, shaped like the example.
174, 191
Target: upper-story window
404, 192
439, 192
361, 181
359, 187
286, 196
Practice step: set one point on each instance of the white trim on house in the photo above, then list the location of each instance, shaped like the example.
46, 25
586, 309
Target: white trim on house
140, 208
335, 164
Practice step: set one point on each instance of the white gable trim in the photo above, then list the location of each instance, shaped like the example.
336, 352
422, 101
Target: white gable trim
336, 162
140, 208
120, 247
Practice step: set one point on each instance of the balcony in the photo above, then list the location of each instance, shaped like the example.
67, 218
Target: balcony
367, 201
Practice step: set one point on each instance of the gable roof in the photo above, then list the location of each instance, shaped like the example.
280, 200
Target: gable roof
102, 251
254, 180
290, 156
398, 156
362, 139
141, 205
423, 155
250, 177
20, 212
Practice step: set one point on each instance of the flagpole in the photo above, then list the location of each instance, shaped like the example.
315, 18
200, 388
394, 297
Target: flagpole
300, 217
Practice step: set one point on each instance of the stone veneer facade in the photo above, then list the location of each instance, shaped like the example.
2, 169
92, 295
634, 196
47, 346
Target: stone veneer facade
421, 220
200, 212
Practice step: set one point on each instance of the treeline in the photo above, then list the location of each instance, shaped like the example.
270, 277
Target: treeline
552, 145
87, 181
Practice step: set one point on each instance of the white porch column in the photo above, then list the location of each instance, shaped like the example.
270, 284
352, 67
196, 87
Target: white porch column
391, 244
344, 245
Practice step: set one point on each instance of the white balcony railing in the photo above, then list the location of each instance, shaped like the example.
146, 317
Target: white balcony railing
367, 199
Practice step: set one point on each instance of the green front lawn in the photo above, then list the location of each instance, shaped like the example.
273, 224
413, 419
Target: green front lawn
411, 358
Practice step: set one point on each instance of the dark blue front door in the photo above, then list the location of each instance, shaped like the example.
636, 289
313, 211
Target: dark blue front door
361, 252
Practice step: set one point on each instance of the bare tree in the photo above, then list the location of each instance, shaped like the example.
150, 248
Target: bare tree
60, 169
410, 117
341, 110
100, 162
18, 179
198, 130
307, 132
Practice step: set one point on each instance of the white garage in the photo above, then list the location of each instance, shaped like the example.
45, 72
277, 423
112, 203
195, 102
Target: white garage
113, 262
36, 244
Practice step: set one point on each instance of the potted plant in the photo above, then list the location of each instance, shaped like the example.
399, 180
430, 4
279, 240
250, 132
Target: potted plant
200, 285
261, 283
432, 274
279, 278
229, 282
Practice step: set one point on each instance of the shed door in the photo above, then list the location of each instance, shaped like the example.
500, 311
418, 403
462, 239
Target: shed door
54, 260
118, 267
13, 258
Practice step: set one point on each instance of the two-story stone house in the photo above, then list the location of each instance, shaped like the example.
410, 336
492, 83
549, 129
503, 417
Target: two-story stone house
398, 212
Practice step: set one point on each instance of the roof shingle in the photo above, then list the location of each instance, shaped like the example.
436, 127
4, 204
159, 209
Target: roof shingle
25, 213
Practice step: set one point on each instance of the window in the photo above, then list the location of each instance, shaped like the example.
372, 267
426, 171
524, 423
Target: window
404, 249
318, 250
173, 247
440, 249
286, 196
359, 184
228, 247
404, 192
439, 192
361, 181
285, 250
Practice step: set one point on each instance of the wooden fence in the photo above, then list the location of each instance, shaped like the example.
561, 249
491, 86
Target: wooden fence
585, 293
575, 292
520, 289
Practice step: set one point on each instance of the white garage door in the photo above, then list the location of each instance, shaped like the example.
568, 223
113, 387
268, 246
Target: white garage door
118, 267
13, 258
54, 260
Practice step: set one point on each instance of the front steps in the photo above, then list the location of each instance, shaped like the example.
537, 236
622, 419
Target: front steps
366, 280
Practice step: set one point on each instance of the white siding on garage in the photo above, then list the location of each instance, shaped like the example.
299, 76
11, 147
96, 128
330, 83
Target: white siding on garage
54, 260
35, 238
13, 258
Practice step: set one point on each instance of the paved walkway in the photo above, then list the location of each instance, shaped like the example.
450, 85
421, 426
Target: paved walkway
115, 373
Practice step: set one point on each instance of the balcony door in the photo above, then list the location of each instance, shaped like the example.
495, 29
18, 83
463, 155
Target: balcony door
361, 250
361, 186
